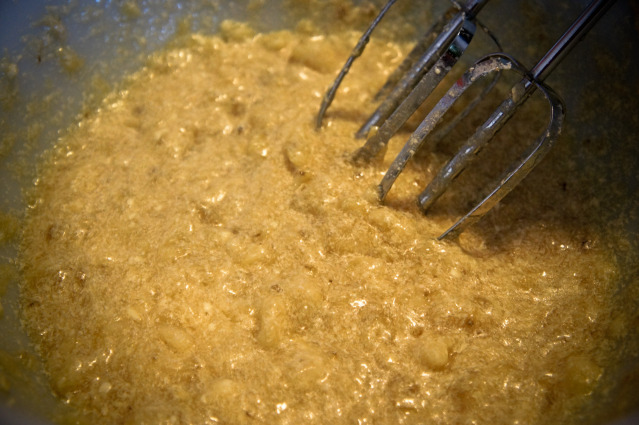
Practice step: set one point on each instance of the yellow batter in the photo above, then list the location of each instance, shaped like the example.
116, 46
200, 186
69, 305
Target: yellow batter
196, 253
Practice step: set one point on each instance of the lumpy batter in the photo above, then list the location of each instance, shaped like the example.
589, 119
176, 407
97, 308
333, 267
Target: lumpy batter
196, 253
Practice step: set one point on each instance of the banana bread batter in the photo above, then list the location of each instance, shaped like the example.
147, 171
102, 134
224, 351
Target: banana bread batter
196, 253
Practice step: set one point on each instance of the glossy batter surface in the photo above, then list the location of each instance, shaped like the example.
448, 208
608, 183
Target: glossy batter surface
196, 253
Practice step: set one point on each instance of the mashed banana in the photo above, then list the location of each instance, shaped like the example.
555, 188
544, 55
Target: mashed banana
196, 253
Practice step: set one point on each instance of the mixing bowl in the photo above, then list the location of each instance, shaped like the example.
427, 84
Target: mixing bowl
60, 58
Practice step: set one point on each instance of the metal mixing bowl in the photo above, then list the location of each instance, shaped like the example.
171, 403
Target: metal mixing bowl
58, 57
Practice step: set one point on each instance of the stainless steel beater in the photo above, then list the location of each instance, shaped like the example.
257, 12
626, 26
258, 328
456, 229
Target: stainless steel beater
434, 55
495, 63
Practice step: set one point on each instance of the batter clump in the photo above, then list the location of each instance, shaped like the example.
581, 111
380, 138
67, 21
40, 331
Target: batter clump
196, 253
